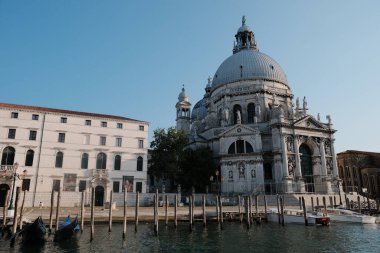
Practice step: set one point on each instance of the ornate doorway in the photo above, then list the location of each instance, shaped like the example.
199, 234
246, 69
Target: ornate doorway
3, 192
99, 195
307, 167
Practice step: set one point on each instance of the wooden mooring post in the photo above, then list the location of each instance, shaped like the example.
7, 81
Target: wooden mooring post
304, 211
5, 209
217, 208
82, 212
334, 201
359, 205
312, 204
156, 217
22, 209
317, 201
282, 210
300, 202
221, 212
110, 214
175, 210
58, 210
137, 205
324, 204
51, 209
92, 213
166, 209
265, 208
257, 206
331, 201
278, 209
204, 210
239, 209
247, 211
14, 228
191, 213
125, 202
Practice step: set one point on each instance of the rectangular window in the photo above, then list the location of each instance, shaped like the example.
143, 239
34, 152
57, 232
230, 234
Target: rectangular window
119, 125
116, 186
69, 182
103, 140
12, 133
141, 128
103, 124
138, 187
35, 116
56, 184
25, 184
82, 185
14, 115
86, 139
87, 122
32, 135
118, 142
63, 120
61, 137
141, 143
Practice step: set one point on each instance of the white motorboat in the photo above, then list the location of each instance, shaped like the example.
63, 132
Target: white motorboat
344, 215
296, 216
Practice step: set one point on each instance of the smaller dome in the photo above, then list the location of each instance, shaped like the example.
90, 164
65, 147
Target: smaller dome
199, 111
244, 28
183, 96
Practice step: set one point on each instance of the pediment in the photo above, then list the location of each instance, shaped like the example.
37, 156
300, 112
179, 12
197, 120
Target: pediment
238, 130
309, 122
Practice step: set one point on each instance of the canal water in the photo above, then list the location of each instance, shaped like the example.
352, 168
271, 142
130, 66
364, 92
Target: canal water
268, 237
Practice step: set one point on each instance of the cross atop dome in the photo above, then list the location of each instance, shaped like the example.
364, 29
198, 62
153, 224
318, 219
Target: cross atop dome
243, 21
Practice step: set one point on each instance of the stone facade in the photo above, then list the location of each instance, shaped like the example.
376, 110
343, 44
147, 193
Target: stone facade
72, 151
263, 143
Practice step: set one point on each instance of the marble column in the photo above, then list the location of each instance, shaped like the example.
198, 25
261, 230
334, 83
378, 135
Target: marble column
335, 166
297, 172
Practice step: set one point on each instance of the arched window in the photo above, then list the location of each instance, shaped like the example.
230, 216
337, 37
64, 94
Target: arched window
240, 147
101, 161
236, 108
251, 112
59, 160
117, 162
307, 167
139, 163
248, 147
29, 158
84, 161
8, 157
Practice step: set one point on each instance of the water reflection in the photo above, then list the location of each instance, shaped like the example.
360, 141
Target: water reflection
235, 237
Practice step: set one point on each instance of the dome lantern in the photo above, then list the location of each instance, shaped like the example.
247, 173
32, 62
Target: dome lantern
245, 38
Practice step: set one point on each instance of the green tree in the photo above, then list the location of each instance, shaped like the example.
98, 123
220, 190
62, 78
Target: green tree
167, 148
197, 166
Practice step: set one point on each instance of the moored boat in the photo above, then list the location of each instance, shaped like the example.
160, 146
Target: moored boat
66, 231
297, 217
344, 215
34, 232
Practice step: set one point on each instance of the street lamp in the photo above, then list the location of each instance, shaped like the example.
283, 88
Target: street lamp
14, 175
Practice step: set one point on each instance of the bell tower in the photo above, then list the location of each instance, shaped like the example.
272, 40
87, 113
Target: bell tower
183, 111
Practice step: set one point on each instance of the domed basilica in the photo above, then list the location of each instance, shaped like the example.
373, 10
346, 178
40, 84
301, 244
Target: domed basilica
261, 140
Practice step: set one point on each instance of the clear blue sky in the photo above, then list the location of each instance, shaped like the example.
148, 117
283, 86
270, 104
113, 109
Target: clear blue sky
130, 58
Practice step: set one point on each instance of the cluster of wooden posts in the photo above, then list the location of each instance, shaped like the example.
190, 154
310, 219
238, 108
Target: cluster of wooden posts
250, 214
16, 209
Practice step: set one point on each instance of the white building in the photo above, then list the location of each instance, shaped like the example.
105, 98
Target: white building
261, 142
72, 151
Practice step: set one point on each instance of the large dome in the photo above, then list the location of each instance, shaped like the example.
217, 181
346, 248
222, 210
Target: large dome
248, 64
199, 111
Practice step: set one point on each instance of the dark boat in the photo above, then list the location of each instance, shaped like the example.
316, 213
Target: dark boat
34, 232
66, 231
